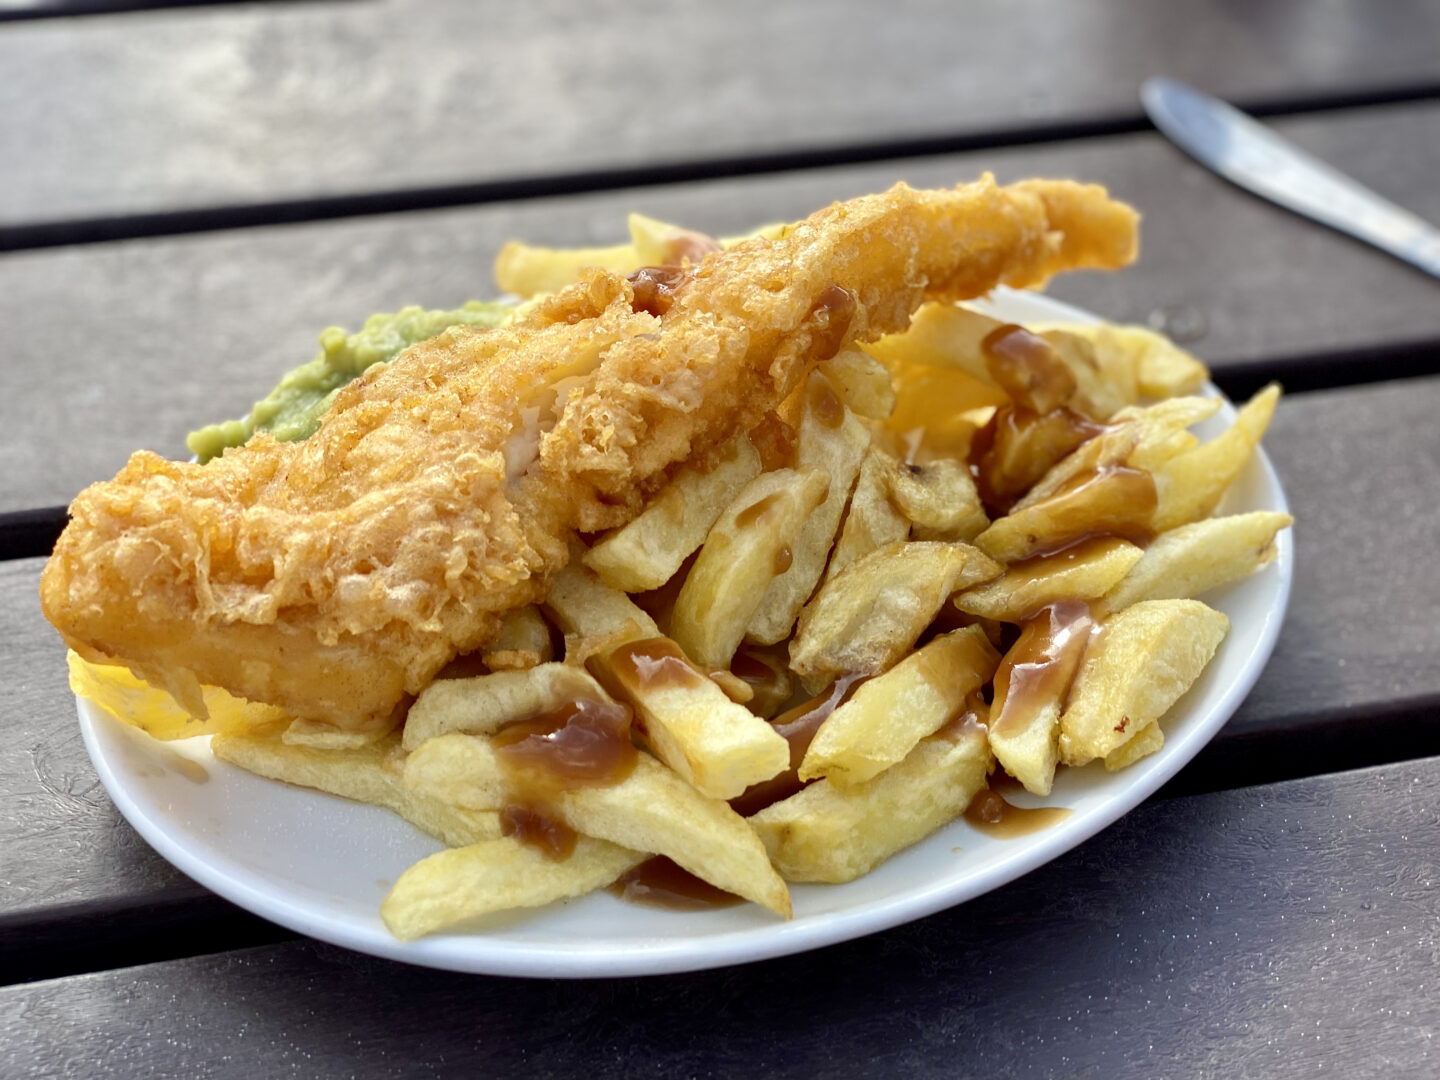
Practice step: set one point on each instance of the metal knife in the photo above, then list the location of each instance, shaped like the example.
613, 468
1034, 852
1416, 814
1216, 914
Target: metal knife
1249, 154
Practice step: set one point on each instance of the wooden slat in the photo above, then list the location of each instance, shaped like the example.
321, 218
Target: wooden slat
1276, 931
1354, 678
113, 347
163, 111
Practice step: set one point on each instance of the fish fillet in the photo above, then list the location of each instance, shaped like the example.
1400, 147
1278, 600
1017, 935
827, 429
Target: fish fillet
334, 576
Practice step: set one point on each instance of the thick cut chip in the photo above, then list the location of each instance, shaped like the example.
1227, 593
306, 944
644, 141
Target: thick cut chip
1148, 740
747, 549
134, 701
823, 833
526, 270
869, 615
462, 884
690, 723
1136, 438
939, 499
1112, 500
862, 383
1156, 365
1189, 560
1100, 390
1085, 571
651, 810
524, 641
891, 713
371, 774
1030, 689
646, 553
1191, 484
583, 606
941, 335
834, 439
1145, 657
484, 704
872, 520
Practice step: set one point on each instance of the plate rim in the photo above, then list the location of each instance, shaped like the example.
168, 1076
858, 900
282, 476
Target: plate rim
481, 954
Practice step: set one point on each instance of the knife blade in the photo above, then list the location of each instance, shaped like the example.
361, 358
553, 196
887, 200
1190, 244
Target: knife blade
1251, 155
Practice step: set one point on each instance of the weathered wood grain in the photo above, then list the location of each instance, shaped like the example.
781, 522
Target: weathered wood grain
114, 347
1276, 931
1354, 678
162, 111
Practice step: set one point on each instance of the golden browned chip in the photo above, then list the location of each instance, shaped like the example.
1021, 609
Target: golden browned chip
690, 723
651, 810
888, 715
868, 616
834, 439
484, 704
938, 498
1145, 657
1085, 571
861, 382
746, 550
871, 520
1191, 484
1148, 740
456, 886
827, 834
647, 553
1193, 558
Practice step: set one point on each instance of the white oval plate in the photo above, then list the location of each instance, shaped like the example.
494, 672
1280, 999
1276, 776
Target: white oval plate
320, 865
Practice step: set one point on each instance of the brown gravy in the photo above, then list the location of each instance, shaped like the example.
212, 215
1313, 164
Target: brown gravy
775, 440
650, 664
655, 287
784, 559
755, 511
798, 726
660, 882
832, 312
991, 814
768, 677
1039, 668
1026, 367
580, 743
1018, 446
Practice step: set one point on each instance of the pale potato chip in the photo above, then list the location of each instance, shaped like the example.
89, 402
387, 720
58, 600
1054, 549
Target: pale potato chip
1085, 571
526, 270
868, 616
651, 810
888, 715
583, 606
939, 499
746, 550
690, 723
834, 439
461, 884
1189, 560
482, 705
1190, 485
827, 834
1143, 660
647, 552
871, 521
1148, 740
861, 382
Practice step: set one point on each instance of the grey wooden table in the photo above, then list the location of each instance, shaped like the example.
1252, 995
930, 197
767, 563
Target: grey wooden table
191, 192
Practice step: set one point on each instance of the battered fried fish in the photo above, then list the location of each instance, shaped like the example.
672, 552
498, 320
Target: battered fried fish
333, 576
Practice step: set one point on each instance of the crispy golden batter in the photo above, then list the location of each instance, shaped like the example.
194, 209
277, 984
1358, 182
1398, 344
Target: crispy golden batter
333, 576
